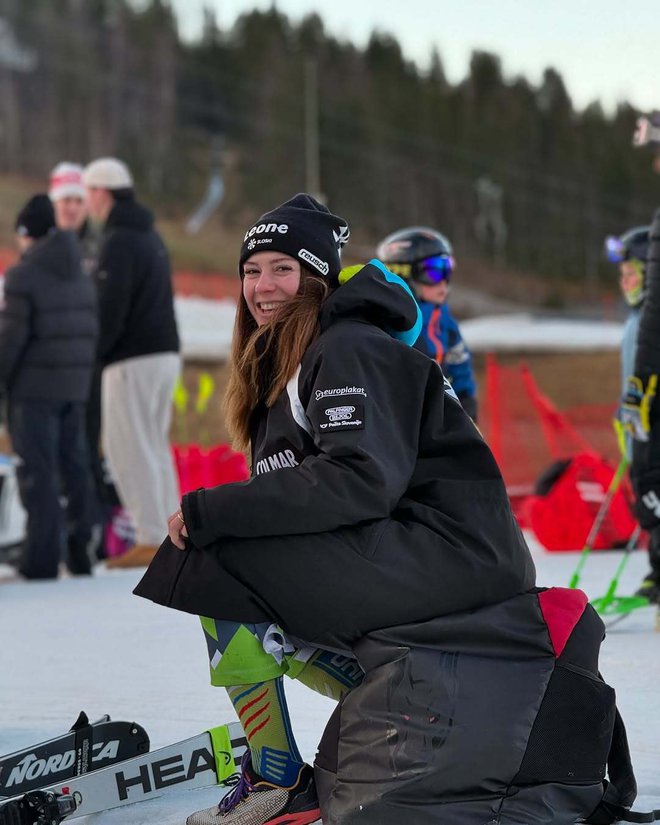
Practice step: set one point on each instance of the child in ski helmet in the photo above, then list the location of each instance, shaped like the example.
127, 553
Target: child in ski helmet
356, 515
425, 258
630, 252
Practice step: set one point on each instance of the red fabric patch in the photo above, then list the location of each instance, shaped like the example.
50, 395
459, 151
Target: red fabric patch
561, 608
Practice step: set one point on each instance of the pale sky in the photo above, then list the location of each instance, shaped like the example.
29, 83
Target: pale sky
604, 49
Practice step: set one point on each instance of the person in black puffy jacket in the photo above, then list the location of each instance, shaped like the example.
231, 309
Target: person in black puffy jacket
48, 335
373, 499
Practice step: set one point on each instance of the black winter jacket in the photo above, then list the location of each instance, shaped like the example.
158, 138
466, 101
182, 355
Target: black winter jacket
134, 281
647, 356
48, 325
373, 499
645, 469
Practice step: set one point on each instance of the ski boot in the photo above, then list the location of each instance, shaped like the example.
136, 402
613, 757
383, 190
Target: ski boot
650, 589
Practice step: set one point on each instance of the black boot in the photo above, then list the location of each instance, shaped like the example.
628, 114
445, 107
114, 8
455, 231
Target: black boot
78, 558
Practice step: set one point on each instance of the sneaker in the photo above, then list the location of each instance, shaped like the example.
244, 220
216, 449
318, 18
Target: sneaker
254, 801
650, 589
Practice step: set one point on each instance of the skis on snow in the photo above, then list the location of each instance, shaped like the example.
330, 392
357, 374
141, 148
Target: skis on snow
211, 758
86, 747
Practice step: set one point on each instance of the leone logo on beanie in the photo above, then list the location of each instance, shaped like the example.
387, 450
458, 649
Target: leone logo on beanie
304, 229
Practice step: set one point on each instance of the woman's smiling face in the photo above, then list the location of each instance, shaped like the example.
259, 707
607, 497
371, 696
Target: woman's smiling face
270, 279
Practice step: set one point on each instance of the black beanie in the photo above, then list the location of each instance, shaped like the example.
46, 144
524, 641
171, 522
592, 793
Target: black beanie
36, 218
304, 229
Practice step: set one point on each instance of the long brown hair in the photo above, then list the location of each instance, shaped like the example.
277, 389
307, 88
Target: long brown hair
263, 359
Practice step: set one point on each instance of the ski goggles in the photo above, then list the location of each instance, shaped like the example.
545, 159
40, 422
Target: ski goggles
614, 249
434, 270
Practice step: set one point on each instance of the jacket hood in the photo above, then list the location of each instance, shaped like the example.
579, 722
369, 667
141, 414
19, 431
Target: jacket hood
58, 252
374, 294
129, 214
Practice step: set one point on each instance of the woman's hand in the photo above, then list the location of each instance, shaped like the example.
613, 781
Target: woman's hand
176, 528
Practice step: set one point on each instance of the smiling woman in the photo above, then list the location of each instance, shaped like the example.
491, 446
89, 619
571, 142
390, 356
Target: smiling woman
374, 504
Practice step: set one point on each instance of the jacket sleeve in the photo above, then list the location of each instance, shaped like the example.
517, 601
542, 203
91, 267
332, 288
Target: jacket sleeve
114, 283
362, 402
647, 357
14, 327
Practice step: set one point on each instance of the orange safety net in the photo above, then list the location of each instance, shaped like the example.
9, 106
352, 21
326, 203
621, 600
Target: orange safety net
526, 432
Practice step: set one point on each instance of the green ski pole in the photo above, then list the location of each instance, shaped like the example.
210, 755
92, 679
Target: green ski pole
598, 521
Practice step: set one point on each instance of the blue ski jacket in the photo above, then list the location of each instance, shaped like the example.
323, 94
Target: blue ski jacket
445, 345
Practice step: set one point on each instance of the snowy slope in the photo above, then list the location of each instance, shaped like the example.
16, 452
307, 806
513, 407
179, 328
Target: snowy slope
89, 644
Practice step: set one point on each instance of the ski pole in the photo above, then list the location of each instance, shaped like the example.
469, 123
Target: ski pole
609, 603
598, 521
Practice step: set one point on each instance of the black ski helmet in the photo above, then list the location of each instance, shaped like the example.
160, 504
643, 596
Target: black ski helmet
632, 245
419, 254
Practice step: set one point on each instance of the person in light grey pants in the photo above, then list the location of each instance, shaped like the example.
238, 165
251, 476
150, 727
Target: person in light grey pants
137, 412
139, 353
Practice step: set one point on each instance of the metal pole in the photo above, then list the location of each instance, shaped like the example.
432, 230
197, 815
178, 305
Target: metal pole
312, 157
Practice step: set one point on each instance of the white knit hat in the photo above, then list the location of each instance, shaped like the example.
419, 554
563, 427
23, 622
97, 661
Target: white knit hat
107, 173
66, 182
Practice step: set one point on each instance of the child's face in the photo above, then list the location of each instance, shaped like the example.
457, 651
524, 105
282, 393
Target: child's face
631, 281
433, 293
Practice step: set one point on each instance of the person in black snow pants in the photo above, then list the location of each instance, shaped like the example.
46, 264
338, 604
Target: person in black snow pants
48, 336
373, 501
640, 410
67, 193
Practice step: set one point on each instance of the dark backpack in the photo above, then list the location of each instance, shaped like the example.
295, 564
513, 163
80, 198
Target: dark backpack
488, 717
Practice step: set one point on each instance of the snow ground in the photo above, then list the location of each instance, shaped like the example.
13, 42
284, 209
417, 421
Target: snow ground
89, 644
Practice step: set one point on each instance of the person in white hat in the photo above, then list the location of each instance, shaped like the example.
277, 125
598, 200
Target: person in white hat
139, 352
67, 193
68, 196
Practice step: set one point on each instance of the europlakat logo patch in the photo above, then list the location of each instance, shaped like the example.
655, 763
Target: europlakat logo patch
339, 391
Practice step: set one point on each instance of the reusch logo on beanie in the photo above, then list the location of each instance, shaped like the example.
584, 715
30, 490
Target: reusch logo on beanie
304, 229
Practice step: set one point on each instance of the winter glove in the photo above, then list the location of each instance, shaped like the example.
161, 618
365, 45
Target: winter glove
636, 406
